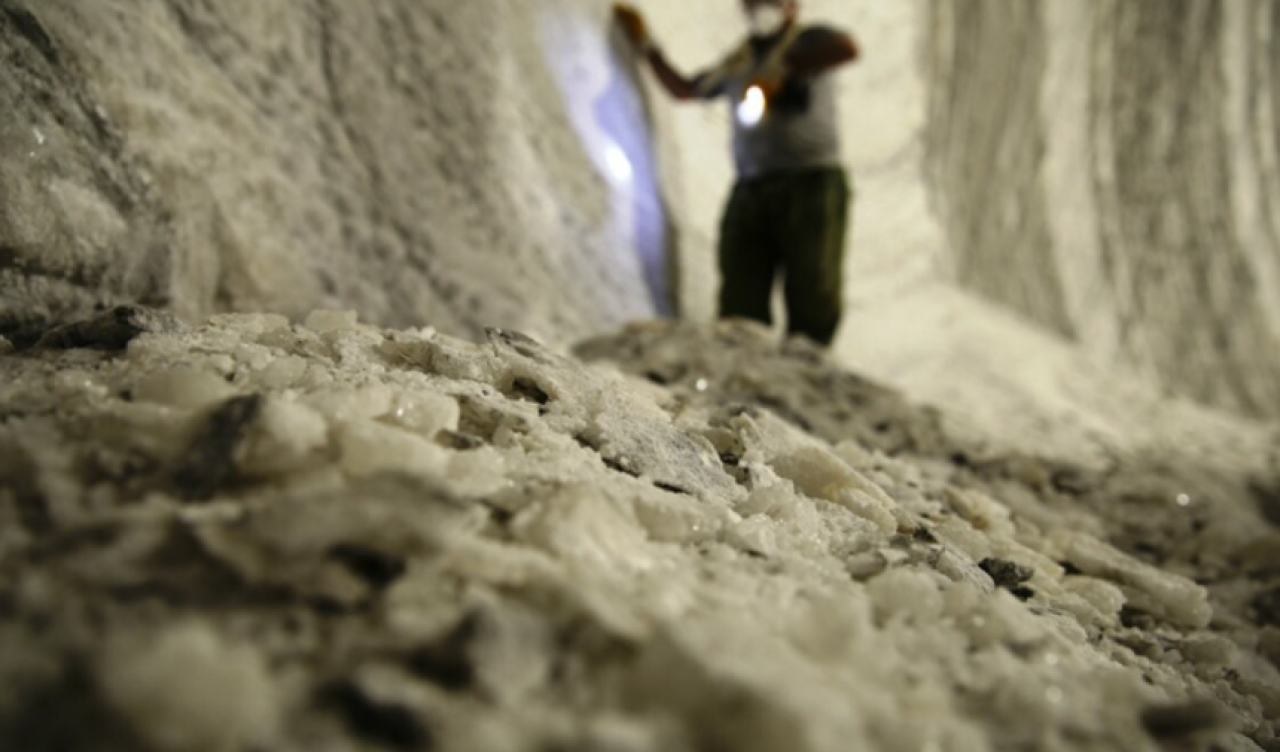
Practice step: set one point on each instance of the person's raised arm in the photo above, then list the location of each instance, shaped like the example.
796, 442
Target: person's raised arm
678, 85
820, 50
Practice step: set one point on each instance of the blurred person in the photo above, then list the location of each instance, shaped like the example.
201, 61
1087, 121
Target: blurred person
788, 211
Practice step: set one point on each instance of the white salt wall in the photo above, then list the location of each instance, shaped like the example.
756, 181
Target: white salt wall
453, 163
1108, 169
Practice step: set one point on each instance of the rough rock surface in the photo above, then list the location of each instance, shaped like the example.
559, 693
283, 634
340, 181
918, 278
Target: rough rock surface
413, 160
1111, 169
254, 534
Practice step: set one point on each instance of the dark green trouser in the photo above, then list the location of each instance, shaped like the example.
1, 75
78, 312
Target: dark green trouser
794, 223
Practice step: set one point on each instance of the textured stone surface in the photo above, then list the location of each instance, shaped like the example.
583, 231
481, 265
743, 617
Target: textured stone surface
417, 161
1108, 168
253, 534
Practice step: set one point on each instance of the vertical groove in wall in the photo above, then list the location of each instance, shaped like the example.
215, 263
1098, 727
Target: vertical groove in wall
988, 147
1168, 229
1195, 296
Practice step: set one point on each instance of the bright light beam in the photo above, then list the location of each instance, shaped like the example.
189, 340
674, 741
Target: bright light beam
752, 107
616, 162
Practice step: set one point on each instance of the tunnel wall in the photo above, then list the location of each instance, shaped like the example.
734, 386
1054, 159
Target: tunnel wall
1108, 169
426, 163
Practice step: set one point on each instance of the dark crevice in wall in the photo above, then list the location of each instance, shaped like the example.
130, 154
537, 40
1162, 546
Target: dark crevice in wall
26, 24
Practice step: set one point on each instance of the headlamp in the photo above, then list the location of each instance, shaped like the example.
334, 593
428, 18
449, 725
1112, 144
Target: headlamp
752, 107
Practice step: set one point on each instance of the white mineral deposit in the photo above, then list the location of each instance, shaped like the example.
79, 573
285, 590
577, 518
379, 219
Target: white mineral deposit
360, 389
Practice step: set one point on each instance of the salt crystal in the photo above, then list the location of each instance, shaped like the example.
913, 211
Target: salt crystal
184, 387
325, 321
188, 690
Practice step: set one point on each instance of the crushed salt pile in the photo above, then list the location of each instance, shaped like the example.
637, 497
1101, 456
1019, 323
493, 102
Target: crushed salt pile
258, 535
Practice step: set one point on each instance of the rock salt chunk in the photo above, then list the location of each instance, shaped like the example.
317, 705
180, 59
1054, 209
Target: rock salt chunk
368, 448
285, 438
820, 474
774, 501
661, 453
342, 404
588, 530
1105, 599
671, 520
255, 357
75, 383
480, 472
981, 511
1162, 594
425, 413
961, 534
186, 387
281, 373
906, 593
755, 535
868, 508
325, 321
191, 691
250, 324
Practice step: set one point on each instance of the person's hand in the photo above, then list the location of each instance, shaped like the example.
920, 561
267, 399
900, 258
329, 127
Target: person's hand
632, 24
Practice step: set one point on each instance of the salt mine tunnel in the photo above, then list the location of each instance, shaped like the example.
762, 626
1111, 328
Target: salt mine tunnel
361, 385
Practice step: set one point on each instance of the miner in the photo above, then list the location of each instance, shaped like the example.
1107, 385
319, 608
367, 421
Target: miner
788, 211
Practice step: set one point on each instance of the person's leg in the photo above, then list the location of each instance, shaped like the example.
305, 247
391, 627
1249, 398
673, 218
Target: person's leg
747, 257
817, 219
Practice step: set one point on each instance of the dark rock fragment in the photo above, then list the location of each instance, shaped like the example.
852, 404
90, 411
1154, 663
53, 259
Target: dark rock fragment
458, 440
381, 723
211, 460
1136, 619
621, 465
377, 569
1073, 481
447, 661
672, 488
521, 344
30, 28
1266, 605
528, 389
113, 330
1267, 496
39, 723
1184, 720
1006, 574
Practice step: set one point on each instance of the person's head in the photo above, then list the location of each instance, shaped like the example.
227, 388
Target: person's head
768, 17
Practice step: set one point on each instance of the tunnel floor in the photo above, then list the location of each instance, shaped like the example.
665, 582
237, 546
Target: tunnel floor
259, 535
